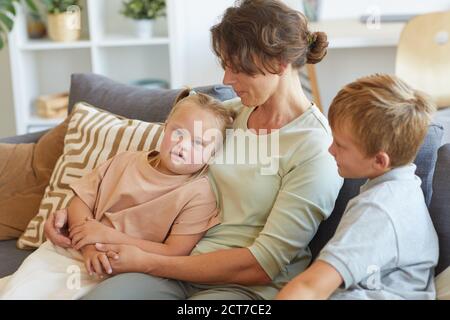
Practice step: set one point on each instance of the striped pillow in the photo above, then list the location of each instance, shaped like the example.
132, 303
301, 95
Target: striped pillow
93, 136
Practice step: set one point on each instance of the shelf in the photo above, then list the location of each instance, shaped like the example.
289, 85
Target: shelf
108, 43
126, 40
141, 62
38, 121
351, 33
47, 44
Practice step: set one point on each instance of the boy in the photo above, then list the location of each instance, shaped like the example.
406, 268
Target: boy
385, 246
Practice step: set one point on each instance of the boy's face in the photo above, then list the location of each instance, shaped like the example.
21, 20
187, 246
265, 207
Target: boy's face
352, 162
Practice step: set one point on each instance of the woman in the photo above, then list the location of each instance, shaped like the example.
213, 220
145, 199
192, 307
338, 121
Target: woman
269, 216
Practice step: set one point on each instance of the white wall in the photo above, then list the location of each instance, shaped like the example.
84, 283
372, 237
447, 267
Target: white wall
336, 9
198, 65
7, 120
341, 66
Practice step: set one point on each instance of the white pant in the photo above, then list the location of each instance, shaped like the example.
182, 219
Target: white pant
50, 272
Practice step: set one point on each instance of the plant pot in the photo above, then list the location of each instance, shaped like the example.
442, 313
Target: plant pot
35, 27
144, 28
64, 27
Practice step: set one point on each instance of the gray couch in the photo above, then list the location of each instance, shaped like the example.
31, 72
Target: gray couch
433, 160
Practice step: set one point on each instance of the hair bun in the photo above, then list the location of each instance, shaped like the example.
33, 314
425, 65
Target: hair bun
318, 44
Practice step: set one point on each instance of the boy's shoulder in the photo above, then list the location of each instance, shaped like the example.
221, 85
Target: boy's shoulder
395, 201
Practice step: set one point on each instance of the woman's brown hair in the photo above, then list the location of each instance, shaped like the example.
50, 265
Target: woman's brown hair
264, 33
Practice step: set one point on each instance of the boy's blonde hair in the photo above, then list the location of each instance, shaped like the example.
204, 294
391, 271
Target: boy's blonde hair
224, 116
383, 113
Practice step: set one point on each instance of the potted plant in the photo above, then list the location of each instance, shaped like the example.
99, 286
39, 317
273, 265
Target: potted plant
7, 15
36, 28
144, 12
64, 20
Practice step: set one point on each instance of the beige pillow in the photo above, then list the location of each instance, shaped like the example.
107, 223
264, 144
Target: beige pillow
93, 136
25, 171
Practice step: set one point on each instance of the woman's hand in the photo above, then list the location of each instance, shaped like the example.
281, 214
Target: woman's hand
55, 229
90, 232
96, 261
126, 258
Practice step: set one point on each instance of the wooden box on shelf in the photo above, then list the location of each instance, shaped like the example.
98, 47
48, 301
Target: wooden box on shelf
53, 106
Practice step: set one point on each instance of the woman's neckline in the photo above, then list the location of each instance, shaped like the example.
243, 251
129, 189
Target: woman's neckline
286, 126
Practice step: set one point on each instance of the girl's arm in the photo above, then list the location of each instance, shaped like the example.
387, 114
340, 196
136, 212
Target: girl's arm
175, 245
92, 231
78, 212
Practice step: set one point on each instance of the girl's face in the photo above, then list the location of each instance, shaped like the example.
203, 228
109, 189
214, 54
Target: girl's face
191, 136
253, 90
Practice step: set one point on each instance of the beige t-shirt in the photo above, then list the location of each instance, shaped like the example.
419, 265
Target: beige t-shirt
129, 194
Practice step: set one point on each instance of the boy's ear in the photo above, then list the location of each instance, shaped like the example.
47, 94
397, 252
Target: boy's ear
382, 161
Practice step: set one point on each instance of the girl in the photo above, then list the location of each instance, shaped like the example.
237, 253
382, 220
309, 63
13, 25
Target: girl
160, 202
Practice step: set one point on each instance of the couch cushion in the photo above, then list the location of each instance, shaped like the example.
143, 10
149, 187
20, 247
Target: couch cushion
425, 161
25, 171
151, 105
10, 257
440, 206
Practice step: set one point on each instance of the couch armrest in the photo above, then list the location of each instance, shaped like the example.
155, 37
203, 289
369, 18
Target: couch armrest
26, 138
440, 206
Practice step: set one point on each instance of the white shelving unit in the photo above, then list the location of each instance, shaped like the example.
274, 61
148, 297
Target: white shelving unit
108, 46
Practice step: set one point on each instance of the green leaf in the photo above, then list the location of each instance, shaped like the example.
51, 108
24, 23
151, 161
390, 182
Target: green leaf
32, 6
1, 42
143, 9
7, 6
7, 21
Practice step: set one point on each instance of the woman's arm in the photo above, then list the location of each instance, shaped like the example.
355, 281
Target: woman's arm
306, 197
318, 282
237, 266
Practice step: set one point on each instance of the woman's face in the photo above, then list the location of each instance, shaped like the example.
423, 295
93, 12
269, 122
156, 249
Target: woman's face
253, 90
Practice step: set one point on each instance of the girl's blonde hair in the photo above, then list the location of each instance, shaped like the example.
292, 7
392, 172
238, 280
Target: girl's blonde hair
224, 116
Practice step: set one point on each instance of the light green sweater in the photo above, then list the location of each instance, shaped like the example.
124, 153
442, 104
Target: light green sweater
275, 215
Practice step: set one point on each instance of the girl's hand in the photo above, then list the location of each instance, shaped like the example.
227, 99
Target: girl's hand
96, 261
91, 232
126, 258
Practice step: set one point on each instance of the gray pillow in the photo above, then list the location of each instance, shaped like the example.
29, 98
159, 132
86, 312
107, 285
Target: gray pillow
440, 206
151, 105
